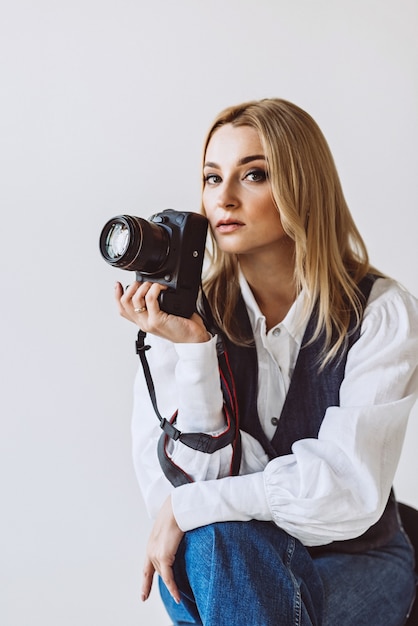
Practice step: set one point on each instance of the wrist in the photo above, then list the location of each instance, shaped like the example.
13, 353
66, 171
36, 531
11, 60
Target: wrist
205, 337
202, 337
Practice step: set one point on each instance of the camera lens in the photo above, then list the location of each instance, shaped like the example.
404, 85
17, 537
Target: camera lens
134, 243
117, 241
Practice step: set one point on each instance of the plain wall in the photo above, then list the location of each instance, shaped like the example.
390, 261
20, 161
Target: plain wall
104, 106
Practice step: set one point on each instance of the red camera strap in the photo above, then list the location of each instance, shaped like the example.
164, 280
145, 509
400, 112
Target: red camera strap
201, 442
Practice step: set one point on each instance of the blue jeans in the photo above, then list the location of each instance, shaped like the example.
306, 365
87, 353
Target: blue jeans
255, 574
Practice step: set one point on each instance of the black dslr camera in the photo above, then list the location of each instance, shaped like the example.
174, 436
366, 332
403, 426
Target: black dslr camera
167, 249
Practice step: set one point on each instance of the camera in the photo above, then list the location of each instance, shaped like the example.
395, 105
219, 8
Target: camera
168, 248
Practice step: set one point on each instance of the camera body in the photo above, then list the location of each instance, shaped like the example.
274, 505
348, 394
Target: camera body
168, 248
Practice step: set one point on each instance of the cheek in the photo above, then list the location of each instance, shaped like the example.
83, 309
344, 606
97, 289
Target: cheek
207, 205
272, 221
271, 214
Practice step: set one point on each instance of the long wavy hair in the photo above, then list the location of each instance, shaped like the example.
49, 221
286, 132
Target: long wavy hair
330, 254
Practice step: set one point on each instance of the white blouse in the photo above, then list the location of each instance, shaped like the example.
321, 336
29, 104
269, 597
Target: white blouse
330, 488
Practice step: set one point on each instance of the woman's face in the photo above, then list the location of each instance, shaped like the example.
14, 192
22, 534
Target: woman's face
237, 194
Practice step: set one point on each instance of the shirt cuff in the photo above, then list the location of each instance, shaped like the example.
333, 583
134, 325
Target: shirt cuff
235, 498
200, 401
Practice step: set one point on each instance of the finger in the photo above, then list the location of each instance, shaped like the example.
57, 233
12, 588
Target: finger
152, 295
166, 574
119, 295
139, 304
147, 579
131, 290
126, 300
118, 291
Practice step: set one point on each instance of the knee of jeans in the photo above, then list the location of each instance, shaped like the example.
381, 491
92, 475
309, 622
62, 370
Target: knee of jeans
208, 550
229, 536
206, 541
205, 537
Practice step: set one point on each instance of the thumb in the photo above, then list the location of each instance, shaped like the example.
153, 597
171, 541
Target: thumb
147, 579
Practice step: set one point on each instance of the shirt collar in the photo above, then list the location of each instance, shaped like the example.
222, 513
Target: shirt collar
294, 322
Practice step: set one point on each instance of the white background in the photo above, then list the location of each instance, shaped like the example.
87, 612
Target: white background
104, 106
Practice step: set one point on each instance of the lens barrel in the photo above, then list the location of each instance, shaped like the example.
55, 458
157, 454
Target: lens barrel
133, 243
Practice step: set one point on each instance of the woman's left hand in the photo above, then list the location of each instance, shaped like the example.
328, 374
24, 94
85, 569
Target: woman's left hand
139, 303
161, 552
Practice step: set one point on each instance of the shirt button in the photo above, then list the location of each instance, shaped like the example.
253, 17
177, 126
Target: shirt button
276, 332
274, 421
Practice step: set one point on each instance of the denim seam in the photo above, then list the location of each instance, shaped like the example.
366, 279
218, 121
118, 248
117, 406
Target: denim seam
298, 599
211, 582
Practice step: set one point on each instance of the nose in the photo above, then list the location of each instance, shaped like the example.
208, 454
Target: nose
228, 197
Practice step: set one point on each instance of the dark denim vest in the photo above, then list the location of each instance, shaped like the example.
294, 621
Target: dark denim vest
310, 393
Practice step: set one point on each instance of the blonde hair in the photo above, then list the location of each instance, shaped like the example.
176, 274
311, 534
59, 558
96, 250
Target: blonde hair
330, 255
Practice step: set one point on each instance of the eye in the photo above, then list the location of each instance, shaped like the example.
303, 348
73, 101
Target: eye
212, 179
256, 176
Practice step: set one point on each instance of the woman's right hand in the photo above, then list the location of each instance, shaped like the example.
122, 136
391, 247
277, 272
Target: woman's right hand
139, 304
161, 552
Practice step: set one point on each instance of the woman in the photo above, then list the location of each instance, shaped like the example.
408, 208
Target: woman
322, 351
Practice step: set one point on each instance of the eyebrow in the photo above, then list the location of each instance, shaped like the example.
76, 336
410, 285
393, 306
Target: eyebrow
243, 161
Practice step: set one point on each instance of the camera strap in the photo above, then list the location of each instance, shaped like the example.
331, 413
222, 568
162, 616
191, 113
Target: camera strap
201, 442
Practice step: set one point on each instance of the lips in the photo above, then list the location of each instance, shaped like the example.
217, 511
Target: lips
228, 226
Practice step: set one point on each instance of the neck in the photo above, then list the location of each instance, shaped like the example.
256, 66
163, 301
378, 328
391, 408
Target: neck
272, 283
